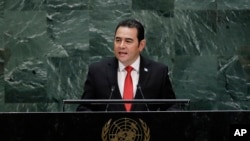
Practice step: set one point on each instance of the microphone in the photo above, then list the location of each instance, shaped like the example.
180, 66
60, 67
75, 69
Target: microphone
110, 95
139, 88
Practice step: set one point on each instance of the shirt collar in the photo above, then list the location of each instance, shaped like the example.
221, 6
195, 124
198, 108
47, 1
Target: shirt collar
135, 65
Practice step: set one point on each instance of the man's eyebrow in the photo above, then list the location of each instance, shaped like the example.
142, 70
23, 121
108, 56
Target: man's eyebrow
129, 38
117, 37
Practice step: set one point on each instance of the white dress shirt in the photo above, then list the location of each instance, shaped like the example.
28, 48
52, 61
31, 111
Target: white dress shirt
121, 75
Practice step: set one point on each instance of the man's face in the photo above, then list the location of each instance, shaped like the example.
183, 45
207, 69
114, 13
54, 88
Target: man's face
127, 46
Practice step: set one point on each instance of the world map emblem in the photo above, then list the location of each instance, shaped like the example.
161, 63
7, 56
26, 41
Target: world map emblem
125, 129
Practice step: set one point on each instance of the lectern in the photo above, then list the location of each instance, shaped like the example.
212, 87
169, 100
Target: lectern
110, 126
181, 125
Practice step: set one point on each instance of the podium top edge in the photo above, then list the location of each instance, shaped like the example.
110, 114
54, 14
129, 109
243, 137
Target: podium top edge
103, 101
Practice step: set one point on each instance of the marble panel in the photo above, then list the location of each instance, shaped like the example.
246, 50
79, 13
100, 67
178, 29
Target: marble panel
195, 78
195, 4
68, 29
233, 4
1, 5
153, 5
68, 4
47, 45
195, 32
66, 77
24, 5
26, 82
233, 31
110, 5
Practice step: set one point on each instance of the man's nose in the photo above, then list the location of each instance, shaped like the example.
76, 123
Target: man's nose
122, 45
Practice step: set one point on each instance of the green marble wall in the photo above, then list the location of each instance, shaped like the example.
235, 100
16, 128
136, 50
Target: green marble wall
46, 46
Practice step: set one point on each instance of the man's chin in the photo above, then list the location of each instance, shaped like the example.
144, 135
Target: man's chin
122, 58
123, 61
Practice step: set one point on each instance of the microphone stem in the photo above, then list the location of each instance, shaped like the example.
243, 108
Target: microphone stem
110, 96
139, 87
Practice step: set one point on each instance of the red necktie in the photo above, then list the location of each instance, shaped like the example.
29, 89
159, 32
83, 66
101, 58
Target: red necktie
128, 88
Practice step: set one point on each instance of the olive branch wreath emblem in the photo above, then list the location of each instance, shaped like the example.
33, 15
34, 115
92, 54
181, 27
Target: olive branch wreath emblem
106, 127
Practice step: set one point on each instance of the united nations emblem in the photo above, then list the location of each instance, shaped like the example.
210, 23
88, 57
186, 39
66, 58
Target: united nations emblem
125, 129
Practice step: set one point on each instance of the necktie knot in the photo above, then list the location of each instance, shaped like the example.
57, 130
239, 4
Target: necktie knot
129, 69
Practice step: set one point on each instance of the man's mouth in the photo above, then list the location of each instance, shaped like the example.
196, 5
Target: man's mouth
122, 53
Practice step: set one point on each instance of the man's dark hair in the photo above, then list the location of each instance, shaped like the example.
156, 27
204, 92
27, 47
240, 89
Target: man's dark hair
132, 23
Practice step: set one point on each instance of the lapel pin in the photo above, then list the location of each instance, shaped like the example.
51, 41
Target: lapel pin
145, 69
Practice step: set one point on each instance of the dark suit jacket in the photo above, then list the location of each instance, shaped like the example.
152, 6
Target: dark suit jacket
102, 76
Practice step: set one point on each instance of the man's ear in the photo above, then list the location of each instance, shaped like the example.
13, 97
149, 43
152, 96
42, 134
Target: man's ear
142, 45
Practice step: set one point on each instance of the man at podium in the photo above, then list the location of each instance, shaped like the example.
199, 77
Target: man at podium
128, 75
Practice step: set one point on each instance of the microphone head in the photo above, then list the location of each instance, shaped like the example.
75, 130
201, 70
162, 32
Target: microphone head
112, 88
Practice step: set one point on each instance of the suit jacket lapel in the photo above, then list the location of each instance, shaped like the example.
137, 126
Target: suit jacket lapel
112, 77
144, 74
111, 70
